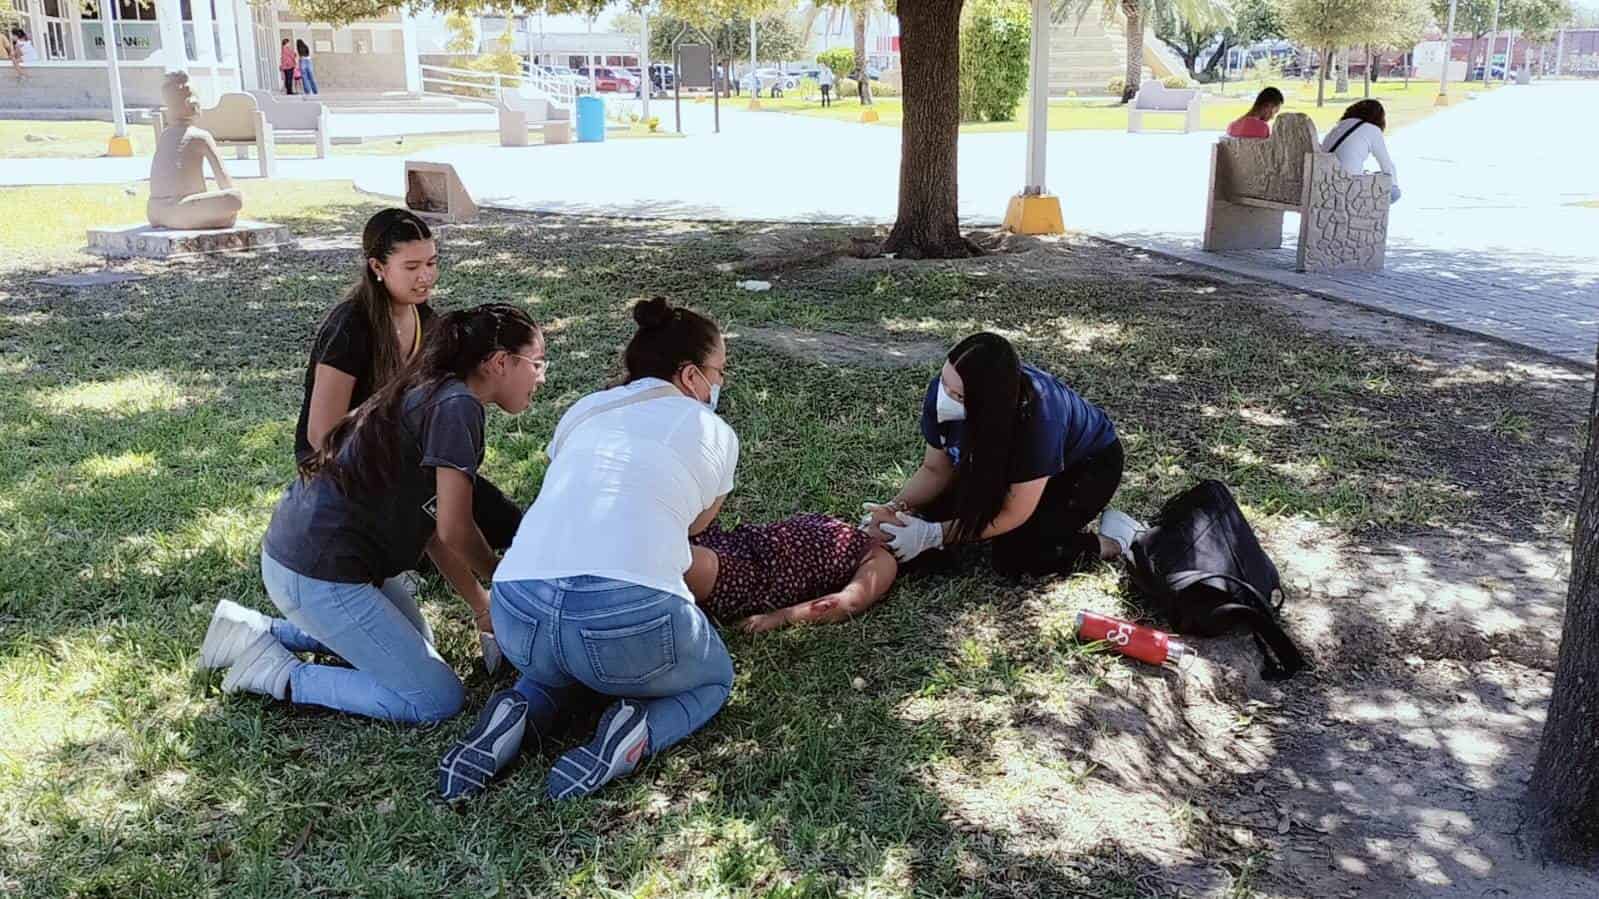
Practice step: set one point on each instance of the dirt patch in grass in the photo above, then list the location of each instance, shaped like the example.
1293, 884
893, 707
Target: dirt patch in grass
844, 349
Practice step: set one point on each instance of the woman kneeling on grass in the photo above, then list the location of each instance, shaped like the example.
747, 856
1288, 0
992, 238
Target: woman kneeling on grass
592, 591
393, 479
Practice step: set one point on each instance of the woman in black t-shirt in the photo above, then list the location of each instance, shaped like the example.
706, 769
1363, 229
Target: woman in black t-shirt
399, 268
391, 480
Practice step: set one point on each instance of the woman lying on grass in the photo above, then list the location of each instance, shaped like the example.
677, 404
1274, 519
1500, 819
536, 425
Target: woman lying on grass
808, 568
392, 479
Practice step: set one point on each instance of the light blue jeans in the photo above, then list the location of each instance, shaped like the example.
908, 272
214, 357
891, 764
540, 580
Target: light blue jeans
307, 76
398, 675
618, 639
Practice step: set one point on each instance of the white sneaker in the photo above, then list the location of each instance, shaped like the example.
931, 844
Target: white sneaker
233, 628
264, 667
1121, 528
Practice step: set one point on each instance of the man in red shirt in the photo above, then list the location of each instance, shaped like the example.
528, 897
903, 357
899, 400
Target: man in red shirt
1254, 122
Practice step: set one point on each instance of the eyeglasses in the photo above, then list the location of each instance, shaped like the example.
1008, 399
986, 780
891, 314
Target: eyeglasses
540, 366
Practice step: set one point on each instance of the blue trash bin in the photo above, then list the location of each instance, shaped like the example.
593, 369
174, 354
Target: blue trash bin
590, 119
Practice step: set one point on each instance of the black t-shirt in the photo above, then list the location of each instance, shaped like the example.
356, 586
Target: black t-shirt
344, 342
320, 531
1060, 430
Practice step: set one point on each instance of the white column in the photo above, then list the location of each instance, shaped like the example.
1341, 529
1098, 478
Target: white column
119, 116
413, 56
1449, 52
205, 46
227, 33
244, 42
1038, 101
644, 63
169, 17
1560, 50
1510, 53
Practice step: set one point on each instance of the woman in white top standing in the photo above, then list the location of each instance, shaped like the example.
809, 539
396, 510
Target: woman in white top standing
1359, 136
592, 591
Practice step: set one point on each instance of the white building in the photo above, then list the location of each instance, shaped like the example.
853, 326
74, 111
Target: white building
224, 44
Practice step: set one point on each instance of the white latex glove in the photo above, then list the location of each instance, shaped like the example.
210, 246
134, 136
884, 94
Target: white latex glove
913, 536
872, 508
491, 651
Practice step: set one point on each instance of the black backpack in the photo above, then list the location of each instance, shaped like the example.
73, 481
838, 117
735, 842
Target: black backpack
1200, 566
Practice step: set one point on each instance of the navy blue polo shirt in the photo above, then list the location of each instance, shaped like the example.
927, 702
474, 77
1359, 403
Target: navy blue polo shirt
1062, 430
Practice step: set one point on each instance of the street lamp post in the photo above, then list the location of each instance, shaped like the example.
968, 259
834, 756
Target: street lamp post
1034, 211
1449, 53
119, 144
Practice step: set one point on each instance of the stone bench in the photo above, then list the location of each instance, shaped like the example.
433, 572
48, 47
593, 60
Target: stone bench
518, 113
1343, 218
236, 121
1154, 97
295, 121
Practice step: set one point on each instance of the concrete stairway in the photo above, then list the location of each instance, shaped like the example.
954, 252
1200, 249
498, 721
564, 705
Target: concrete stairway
1085, 56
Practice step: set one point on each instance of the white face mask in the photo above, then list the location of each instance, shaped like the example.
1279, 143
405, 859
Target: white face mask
716, 394
949, 408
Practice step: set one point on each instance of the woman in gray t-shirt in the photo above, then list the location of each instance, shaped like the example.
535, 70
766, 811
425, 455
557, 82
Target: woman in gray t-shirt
392, 480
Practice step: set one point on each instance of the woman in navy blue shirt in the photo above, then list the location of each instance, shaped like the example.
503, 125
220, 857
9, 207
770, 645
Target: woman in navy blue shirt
1013, 456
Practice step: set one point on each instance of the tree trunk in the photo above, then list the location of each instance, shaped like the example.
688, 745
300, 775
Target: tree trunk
864, 82
928, 224
1471, 54
1135, 49
1366, 50
1321, 78
1342, 88
1564, 791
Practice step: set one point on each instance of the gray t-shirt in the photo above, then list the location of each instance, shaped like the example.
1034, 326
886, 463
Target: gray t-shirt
321, 532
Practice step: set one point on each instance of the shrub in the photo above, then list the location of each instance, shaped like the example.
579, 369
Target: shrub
995, 39
1177, 81
840, 59
848, 88
1116, 86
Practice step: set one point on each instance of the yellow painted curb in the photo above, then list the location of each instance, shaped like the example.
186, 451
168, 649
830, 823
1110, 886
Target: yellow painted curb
869, 115
755, 105
1038, 214
1443, 100
119, 146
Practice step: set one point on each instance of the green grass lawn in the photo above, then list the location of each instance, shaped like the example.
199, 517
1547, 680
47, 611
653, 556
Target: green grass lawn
146, 431
1404, 104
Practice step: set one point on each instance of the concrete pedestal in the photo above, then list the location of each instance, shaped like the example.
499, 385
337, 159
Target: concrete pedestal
1034, 214
149, 242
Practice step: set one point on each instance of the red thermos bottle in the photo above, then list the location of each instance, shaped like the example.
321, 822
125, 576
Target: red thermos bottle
1142, 643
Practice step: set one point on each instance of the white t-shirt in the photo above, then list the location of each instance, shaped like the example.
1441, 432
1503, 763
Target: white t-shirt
1366, 141
25, 51
623, 489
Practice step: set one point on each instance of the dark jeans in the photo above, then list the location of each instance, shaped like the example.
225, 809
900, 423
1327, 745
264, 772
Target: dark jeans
1053, 540
497, 516
827, 98
288, 81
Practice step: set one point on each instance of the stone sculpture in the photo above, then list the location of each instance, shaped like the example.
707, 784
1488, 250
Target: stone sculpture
178, 195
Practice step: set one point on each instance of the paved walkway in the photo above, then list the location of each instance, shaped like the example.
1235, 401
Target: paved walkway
1487, 237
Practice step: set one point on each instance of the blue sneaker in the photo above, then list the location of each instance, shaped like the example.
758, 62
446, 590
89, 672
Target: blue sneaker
492, 744
619, 744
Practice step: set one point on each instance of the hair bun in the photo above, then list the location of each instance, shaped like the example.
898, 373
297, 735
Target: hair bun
655, 312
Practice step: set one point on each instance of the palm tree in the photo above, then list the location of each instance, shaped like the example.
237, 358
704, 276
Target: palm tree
1198, 14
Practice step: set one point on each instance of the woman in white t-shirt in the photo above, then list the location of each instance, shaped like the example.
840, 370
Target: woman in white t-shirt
1358, 136
592, 591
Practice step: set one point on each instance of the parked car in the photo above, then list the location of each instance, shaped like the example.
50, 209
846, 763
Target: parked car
610, 80
762, 80
663, 76
1498, 71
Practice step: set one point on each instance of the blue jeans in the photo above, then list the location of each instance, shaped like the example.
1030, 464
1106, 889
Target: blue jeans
618, 639
398, 675
307, 76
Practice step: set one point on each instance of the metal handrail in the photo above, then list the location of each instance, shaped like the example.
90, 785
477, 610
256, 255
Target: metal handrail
493, 85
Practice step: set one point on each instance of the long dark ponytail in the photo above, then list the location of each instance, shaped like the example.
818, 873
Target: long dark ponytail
453, 349
384, 231
997, 397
